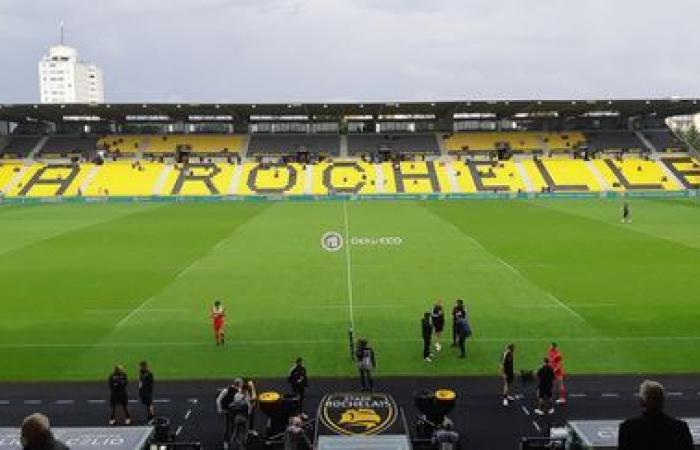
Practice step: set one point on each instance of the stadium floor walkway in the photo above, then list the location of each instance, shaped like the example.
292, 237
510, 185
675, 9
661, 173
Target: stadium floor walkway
479, 416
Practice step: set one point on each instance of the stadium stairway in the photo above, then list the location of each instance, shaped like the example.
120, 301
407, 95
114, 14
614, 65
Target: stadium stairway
646, 142
37, 148
244, 147
605, 186
667, 172
454, 185
529, 187
444, 153
343, 146
89, 178
159, 186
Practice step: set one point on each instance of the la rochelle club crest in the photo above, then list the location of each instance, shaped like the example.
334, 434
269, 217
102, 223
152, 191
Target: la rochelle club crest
332, 241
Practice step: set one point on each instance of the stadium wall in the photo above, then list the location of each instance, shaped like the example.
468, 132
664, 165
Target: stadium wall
347, 197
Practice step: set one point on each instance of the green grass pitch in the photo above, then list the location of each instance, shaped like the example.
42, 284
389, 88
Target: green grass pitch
83, 287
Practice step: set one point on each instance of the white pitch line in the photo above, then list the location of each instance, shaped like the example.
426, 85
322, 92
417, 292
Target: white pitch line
348, 262
32, 402
509, 266
4, 402
184, 271
187, 414
525, 410
336, 341
178, 431
135, 311
515, 271
65, 402
536, 425
97, 402
534, 305
610, 395
576, 395
343, 306
566, 307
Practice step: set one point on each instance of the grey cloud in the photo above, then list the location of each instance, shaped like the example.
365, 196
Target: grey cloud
321, 50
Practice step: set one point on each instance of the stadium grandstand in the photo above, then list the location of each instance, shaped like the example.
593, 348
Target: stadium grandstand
455, 148
122, 252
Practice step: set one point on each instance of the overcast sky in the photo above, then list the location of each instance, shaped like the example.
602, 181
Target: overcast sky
353, 50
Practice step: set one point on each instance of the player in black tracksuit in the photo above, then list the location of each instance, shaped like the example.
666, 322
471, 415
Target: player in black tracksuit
545, 385
437, 317
146, 383
118, 396
299, 381
426, 333
626, 214
457, 312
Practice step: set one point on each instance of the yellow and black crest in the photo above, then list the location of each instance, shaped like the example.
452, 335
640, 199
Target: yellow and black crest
355, 413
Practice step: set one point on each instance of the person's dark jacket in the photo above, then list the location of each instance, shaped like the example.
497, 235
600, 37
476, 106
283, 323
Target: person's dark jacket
297, 377
426, 328
654, 431
117, 384
457, 312
463, 328
365, 358
146, 383
46, 442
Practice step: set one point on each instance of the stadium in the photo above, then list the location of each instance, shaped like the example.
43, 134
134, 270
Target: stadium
349, 225
122, 223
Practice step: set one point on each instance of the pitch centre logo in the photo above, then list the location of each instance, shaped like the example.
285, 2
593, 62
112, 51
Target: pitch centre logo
332, 241
358, 413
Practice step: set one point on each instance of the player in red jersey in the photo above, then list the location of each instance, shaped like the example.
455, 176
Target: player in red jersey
556, 360
217, 316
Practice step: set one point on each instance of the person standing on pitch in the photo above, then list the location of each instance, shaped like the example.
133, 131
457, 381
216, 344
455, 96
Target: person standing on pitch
146, 382
626, 214
463, 332
437, 317
298, 381
508, 373
556, 360
545, 384
457, 312
118, 396
426, 334
217, 316
366, 363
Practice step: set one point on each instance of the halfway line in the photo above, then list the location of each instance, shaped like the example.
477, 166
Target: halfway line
347, 263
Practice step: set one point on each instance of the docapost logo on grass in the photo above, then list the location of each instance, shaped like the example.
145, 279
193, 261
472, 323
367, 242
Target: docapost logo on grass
332, 241
376, 241
358, 413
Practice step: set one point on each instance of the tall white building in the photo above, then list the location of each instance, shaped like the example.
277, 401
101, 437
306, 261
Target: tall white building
65, 79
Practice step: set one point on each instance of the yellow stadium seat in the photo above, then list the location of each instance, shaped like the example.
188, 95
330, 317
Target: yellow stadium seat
521, 141
346, 175
272, 180
636, 171
197, 143
121, 178
221, 180
493, 176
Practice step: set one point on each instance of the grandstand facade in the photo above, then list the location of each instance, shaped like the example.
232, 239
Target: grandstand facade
115, 150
